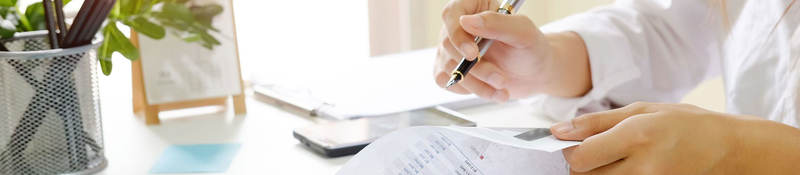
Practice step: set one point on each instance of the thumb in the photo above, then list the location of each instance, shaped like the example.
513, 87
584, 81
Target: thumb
588, 125
514, 30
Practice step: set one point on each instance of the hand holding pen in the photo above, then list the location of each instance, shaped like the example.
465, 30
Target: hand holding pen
518, 63
463, 68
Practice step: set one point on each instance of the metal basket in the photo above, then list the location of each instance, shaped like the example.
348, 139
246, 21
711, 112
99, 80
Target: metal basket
49, 108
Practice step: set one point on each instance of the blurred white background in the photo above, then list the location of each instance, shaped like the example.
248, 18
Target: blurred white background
287, 42
292, 41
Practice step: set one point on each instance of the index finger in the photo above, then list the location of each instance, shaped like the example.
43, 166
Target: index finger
461, 40
590, 124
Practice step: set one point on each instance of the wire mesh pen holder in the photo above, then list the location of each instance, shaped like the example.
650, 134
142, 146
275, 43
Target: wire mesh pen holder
49, 108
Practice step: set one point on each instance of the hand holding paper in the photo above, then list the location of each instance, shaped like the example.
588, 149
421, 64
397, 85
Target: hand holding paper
678, 139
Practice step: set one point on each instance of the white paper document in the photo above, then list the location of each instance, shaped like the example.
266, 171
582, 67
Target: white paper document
385, 85
459, 150
379, 86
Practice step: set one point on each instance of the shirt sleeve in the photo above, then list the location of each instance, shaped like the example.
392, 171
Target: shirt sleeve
641, 50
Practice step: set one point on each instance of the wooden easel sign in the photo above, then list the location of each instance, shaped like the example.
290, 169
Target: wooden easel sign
173, 74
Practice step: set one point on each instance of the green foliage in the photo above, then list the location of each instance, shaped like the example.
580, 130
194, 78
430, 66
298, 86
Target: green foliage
35, 15
115, 41
32, 20
8, 3
151, 18
8, 22
193, 23
187, 21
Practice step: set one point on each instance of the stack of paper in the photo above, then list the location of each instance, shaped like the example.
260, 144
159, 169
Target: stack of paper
459, 150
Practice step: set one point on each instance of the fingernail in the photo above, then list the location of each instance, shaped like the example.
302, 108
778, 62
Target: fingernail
469, 50
495, 80
499, 96
563, 127
475, 20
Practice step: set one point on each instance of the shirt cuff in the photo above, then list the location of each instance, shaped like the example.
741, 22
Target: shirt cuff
611, 66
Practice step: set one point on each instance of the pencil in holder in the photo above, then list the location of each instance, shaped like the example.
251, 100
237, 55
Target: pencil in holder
50, 120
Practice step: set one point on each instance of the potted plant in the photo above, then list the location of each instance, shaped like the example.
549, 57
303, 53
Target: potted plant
49, 104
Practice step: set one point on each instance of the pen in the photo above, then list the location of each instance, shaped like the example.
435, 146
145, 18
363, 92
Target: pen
95, 22
62, 26
79, 23
51, 23
507, 7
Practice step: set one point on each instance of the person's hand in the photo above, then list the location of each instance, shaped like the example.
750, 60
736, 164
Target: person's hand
646, 138
514, 67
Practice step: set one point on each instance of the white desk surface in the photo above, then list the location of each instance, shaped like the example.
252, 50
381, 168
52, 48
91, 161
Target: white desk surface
265, 133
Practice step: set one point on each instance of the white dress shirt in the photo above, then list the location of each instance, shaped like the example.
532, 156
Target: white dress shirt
659, 50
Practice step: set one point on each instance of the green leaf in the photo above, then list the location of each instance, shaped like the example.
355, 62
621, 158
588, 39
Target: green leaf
192, 38
147, 6
8, 22
127, 7
132, 7
106, 66
115, 41
144, 26
23, 20
7, 10
35, 15
166, 21
8, 3
6, 33
205, 13
104, 52
177, 12
120, 43
208, 40
115, 12
8, 26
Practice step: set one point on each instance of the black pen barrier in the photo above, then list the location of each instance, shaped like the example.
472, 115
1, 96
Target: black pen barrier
49, 108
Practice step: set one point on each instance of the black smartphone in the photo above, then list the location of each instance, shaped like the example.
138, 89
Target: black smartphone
342, 138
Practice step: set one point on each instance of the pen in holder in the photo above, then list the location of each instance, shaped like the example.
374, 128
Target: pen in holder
49, 108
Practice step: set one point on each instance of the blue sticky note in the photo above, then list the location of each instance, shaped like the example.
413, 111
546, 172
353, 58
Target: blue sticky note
200, 158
